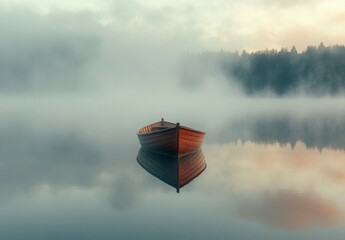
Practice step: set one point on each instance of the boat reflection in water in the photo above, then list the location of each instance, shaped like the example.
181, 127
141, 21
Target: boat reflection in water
171, 152
177, 170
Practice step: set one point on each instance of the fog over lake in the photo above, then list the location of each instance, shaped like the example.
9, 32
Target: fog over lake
78, 81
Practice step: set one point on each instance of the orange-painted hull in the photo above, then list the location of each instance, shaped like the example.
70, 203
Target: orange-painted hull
170, 138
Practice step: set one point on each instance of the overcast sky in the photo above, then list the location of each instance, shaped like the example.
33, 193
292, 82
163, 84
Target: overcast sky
212, 25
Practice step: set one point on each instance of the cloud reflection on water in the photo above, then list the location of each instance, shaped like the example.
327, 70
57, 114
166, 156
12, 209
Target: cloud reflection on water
30, 159
292, 210
279, 185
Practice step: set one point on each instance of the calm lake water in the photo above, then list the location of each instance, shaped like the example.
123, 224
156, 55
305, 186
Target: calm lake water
275, 170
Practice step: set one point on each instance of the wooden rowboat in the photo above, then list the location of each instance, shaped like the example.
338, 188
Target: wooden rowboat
173, 169
170, 138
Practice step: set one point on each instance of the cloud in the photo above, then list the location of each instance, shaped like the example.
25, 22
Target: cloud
251, 25
71, 51
293, 3
292, 210
88, 47
46, 51
126, 190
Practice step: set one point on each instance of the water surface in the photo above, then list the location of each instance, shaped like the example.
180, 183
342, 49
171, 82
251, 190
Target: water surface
68, 170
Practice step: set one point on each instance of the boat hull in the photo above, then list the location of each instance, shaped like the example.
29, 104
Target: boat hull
177, 170
189, 140
175, 139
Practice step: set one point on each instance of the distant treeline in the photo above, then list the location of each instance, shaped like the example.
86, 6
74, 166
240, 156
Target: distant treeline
317, 70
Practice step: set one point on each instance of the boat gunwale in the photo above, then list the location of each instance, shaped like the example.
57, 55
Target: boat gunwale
188, 128
157, 131
162, 130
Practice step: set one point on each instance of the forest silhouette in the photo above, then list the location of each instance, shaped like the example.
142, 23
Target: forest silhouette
316, 71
